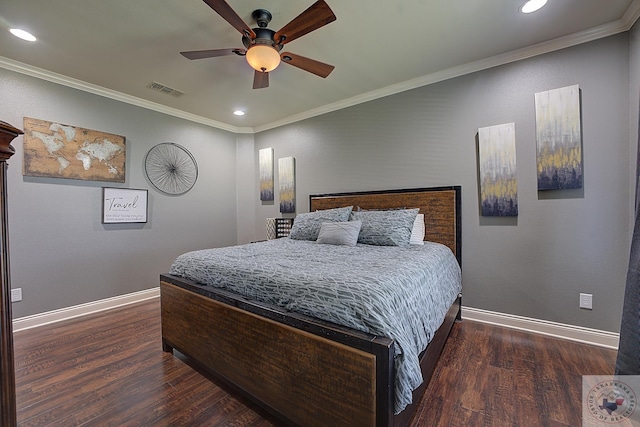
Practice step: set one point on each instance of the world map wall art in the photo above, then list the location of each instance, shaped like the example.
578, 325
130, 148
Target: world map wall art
55, 150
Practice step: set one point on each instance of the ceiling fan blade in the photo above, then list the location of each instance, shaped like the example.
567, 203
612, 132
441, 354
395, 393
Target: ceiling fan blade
311, 65
318, 15
211, 53
223, 9
260, 80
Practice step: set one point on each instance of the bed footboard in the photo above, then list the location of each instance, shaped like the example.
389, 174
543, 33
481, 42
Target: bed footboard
296, 372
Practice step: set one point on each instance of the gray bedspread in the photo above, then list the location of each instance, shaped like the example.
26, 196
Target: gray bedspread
398, 292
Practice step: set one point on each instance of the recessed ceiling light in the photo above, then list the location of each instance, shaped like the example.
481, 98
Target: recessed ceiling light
239, 113
533, 5
22, 34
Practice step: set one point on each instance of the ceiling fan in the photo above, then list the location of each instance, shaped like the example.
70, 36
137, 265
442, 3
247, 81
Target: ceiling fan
263, 45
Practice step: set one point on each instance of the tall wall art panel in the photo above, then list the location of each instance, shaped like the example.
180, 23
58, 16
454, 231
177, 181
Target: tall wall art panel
265, 161
559, 138
497, 164
287, 181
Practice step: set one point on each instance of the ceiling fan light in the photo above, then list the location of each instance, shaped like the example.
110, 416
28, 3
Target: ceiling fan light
263, 58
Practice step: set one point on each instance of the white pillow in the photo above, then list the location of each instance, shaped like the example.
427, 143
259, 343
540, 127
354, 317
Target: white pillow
417, 233
339, 233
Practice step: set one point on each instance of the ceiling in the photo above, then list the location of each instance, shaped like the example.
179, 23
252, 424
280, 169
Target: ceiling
117, 48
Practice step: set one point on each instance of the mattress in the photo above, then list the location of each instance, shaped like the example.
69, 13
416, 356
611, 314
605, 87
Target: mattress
402, 293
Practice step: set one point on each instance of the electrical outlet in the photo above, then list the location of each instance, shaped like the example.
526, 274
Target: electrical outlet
586, 301
16, 294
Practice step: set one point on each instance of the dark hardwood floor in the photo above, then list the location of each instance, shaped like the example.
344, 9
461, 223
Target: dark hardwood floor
108, 369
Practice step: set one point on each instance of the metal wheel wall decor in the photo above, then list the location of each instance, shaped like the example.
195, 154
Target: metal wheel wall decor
171, 168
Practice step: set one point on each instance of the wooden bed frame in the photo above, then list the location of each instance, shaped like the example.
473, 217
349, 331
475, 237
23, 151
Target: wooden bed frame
306, 371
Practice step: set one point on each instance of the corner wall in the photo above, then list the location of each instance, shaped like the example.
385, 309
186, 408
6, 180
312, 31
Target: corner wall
634, 116
61, 254
562, 243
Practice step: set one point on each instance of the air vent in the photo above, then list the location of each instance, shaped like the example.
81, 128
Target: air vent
164, 89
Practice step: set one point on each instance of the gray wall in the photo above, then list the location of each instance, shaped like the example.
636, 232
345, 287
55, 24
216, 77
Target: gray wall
562, 243
61, 254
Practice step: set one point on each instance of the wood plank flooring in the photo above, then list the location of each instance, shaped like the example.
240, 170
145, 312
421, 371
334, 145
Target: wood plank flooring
108, 369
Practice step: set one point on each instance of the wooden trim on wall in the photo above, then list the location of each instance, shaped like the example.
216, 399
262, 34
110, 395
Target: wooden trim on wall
7, 368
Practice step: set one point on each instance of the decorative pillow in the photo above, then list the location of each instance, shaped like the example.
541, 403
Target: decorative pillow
417, 233
339, 233
307, 225
386, 228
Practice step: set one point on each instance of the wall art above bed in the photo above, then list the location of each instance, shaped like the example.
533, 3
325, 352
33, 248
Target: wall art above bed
265, 162
559, 138
497, 164
55, 150
287, 184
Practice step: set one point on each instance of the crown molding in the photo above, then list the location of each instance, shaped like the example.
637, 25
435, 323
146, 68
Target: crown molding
612, 28
60, 79
631, 15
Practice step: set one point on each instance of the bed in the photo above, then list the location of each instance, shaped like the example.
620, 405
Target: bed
306, 370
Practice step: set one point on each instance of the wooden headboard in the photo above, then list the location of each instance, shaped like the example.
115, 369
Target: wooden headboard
441, 207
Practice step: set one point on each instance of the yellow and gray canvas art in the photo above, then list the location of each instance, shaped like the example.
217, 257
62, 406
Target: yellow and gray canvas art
497, 163
287, 184
265, 162
559, 138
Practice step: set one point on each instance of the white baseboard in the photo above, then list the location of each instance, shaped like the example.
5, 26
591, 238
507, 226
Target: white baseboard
558, 330
28, 322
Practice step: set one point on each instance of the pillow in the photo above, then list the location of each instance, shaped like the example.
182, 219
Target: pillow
307, 225
386, 228
417, 233
339, 233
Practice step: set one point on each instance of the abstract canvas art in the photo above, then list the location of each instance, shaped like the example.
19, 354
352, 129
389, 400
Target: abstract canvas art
265, 162
287, 184
497, 164
559, 139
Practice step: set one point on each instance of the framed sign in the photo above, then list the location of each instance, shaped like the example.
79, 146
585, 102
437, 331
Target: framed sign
122, 205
